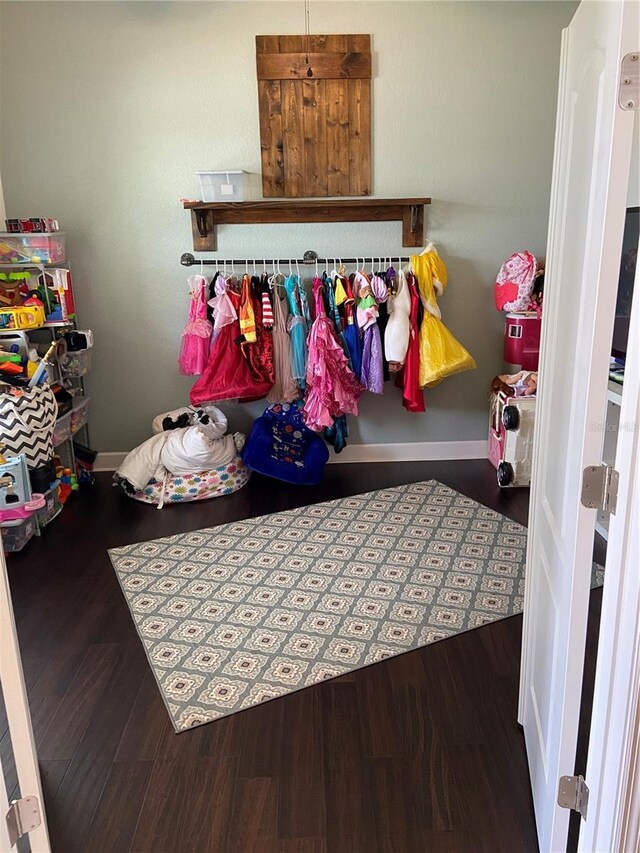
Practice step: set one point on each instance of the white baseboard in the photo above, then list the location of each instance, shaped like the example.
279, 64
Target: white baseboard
417, 451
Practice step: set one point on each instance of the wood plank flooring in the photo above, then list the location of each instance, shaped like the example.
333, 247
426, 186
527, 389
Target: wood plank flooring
421, 752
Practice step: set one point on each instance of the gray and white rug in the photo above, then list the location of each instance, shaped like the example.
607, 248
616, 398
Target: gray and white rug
235, 615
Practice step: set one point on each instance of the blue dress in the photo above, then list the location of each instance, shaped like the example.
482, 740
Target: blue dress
297, 331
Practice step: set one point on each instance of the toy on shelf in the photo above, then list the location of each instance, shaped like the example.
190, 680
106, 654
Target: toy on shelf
14, 287
29, 315
36, 225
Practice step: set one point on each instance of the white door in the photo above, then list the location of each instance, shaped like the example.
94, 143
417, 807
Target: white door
590, 177
19, 719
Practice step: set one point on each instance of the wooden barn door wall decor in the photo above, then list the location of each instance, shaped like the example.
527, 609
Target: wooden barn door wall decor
314, 95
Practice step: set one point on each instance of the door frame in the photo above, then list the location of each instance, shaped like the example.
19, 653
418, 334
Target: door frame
18, 716
613, 762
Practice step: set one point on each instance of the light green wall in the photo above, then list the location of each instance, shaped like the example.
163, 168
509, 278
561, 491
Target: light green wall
109, 108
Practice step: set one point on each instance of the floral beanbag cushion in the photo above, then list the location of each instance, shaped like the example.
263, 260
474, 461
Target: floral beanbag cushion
197, 487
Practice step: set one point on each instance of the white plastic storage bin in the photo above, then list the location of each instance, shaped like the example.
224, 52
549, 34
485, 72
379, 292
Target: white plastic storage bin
62, 429
79, 413
234, 185
77, 363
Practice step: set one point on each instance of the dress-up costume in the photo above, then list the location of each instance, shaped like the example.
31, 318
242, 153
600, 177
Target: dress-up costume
371, 370
227, 375
194, 349
441, 354
260, 353
284, 389
297, 330
351, 331
408, 378
332, 388
222, 308
396, 336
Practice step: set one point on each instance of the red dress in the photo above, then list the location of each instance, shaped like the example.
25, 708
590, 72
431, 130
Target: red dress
408, 378
227, 375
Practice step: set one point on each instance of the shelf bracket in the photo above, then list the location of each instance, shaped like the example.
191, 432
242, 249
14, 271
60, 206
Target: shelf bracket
203, 229
413, 225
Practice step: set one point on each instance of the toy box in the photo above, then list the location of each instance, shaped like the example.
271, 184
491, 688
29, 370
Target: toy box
32, 248
16, 534
511, 428
522, 341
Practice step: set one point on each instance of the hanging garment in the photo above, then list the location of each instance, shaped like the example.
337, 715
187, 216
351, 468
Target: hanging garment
227, 375
351, 332
332, 388
334, 314
297, 330
441, 354
337, 434
396, 336
372, 372
284, 389
371, 369
194, 349
367, 307
408, 377
380, 287
221, 306
247, 313
260, 353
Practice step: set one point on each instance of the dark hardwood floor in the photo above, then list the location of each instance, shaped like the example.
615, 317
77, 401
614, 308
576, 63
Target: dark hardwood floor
418, 753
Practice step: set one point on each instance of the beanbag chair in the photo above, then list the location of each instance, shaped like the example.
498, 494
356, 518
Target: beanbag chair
196, 487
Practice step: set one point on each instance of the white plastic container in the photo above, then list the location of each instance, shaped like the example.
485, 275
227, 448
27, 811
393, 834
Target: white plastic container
234, 185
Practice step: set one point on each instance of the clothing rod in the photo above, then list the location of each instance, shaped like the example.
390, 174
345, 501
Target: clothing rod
188, 260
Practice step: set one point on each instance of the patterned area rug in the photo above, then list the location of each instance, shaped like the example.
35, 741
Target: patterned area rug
242, 613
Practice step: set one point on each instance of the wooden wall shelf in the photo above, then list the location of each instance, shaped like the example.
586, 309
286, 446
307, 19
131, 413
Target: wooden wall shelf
206, 215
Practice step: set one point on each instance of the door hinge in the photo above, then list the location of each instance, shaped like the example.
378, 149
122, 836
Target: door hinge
22, 817
573, 794
600, 487
629, 89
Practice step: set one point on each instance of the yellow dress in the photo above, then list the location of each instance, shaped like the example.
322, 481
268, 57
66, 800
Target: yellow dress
441, 354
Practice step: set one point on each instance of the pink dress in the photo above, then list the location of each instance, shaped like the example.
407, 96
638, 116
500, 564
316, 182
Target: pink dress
332, 388
194, 350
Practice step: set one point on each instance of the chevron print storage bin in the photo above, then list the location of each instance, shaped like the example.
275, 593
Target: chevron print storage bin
26, 424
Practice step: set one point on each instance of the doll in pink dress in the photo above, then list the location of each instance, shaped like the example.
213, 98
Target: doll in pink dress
332, 388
